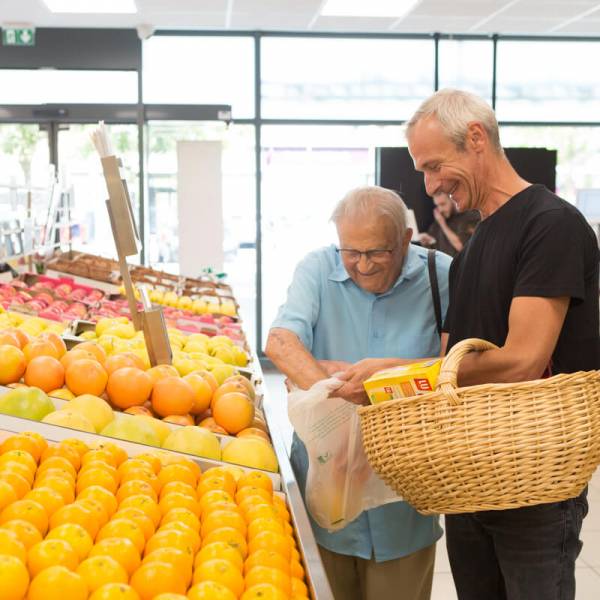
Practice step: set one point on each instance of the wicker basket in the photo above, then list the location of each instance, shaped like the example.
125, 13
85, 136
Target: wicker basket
487, 447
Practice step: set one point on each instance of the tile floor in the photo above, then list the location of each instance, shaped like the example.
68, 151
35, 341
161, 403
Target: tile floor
588, 564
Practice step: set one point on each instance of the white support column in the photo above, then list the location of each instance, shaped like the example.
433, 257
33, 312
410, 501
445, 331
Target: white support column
200, 205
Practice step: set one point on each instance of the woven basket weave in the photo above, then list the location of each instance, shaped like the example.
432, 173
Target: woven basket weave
487, 447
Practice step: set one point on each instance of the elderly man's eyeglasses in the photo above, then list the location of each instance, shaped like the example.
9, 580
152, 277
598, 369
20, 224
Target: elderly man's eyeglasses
375, 255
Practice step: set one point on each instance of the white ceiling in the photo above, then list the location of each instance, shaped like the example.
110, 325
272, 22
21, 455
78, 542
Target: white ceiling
538, 17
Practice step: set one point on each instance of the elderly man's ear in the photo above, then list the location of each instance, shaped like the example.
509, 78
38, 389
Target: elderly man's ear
407, 237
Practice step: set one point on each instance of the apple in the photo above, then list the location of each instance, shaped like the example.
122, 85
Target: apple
132, 429
69, 418
26, 402
194, 440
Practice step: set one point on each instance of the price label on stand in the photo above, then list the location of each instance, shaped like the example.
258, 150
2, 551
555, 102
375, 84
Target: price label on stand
18, 36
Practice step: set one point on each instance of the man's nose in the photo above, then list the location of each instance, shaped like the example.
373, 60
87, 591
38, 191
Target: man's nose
432, 184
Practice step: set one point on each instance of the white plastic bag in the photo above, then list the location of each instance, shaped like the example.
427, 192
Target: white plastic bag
340, 482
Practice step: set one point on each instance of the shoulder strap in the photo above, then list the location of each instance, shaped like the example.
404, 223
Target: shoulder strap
435, 290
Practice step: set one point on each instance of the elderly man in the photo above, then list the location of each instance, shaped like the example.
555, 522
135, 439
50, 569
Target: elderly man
359, 308
528, 282
451, 229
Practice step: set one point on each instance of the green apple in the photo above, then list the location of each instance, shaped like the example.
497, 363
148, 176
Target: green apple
224, 353
222, 372
26, 402
194, 440
133, 429
69, 418
96, 410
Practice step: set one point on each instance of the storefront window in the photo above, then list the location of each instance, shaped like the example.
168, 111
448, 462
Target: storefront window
332, 78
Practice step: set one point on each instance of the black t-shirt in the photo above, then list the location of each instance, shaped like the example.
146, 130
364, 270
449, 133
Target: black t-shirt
463, 224
536, 244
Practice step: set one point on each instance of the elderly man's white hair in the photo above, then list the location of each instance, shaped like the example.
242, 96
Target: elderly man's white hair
372, 201
454, 110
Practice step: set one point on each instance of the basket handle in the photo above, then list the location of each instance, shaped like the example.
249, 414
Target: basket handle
447, 379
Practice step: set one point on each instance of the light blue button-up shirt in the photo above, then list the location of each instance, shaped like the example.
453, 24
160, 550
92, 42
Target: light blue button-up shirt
337, 320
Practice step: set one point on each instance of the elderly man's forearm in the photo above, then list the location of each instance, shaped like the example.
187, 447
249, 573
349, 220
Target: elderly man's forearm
289, 355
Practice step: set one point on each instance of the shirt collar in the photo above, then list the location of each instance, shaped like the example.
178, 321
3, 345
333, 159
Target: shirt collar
412, 265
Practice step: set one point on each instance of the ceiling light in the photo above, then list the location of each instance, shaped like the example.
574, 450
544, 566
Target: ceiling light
91, 6
368, 8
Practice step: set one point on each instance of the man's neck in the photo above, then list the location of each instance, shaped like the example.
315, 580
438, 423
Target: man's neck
503, 183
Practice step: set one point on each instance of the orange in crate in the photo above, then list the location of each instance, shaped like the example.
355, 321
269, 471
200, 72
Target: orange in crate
264, 591
115, 591
155, 578
26, 510
177, 472
20, 445
220, 550
12, 364
86, 376
65, 451
221, 571
50, 553
137, 515
14, 578
172, 396
120, 549
57, 583
144, 503
100, 570
276, 577
210, 590
230, 536
45, 372
102, 495
128, 386
75, 535
12, 546
27, 533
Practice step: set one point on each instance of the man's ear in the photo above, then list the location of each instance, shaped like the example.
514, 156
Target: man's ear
476, 136
407, 238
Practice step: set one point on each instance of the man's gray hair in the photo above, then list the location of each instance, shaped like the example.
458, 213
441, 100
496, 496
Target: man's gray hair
454, 110
373, 201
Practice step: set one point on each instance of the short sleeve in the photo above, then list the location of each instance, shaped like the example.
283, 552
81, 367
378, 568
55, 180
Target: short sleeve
551, 257
301, 309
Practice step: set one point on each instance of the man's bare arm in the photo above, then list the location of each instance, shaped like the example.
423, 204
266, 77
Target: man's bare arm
290, 356
534, 325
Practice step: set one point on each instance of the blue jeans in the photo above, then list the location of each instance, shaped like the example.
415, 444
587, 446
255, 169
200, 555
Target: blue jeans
520, 554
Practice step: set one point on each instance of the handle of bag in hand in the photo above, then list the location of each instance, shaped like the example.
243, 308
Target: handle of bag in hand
447, 379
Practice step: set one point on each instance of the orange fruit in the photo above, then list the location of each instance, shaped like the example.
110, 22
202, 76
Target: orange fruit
76, 354
230, 536
222, 481
155, 578
39, 347
102, 495
135, 465
96, 476
135, 487
299, 588
178, 500
128, 386
191, 535
120, 549
169, 538
179, 486
45, 372
27, 510
296, 569
177, 472
264, 524
202, 392
9, 338
255, 479
12, 364
210, 424
18, 467
86, 376
27, 533
123, 528
75, 535
20, 445
57, 583
76, 513
221, 505
115, 591
98, 455
150, 459
266, 558
220, 550
99, 465
137, 515
276, 577
100, 570
260, 511
162, 371
180, 559
8, 495
119, 455
23, 338
39, 440
230, 387
271, 540
210, 378
12, 546
181, 515
172, 396
58, 482
253, 490
64, 450
233, 411
19, 484
49, 498
146, 504
99, 513
14, 578
57, 462
144, 473
167, 458
213, 497
254, 432
96, 349
56, 341
264, 591
223, 518
222, 571
282, 511
49, 553
210, 590
78, 445
170, 596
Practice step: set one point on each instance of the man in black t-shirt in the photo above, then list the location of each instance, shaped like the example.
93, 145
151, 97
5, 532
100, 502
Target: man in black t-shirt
451, 229
528, 282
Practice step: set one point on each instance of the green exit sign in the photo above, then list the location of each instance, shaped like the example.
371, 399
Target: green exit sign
18, 36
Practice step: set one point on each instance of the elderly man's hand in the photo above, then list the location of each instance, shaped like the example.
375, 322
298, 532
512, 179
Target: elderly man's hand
353, 389
332, 367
